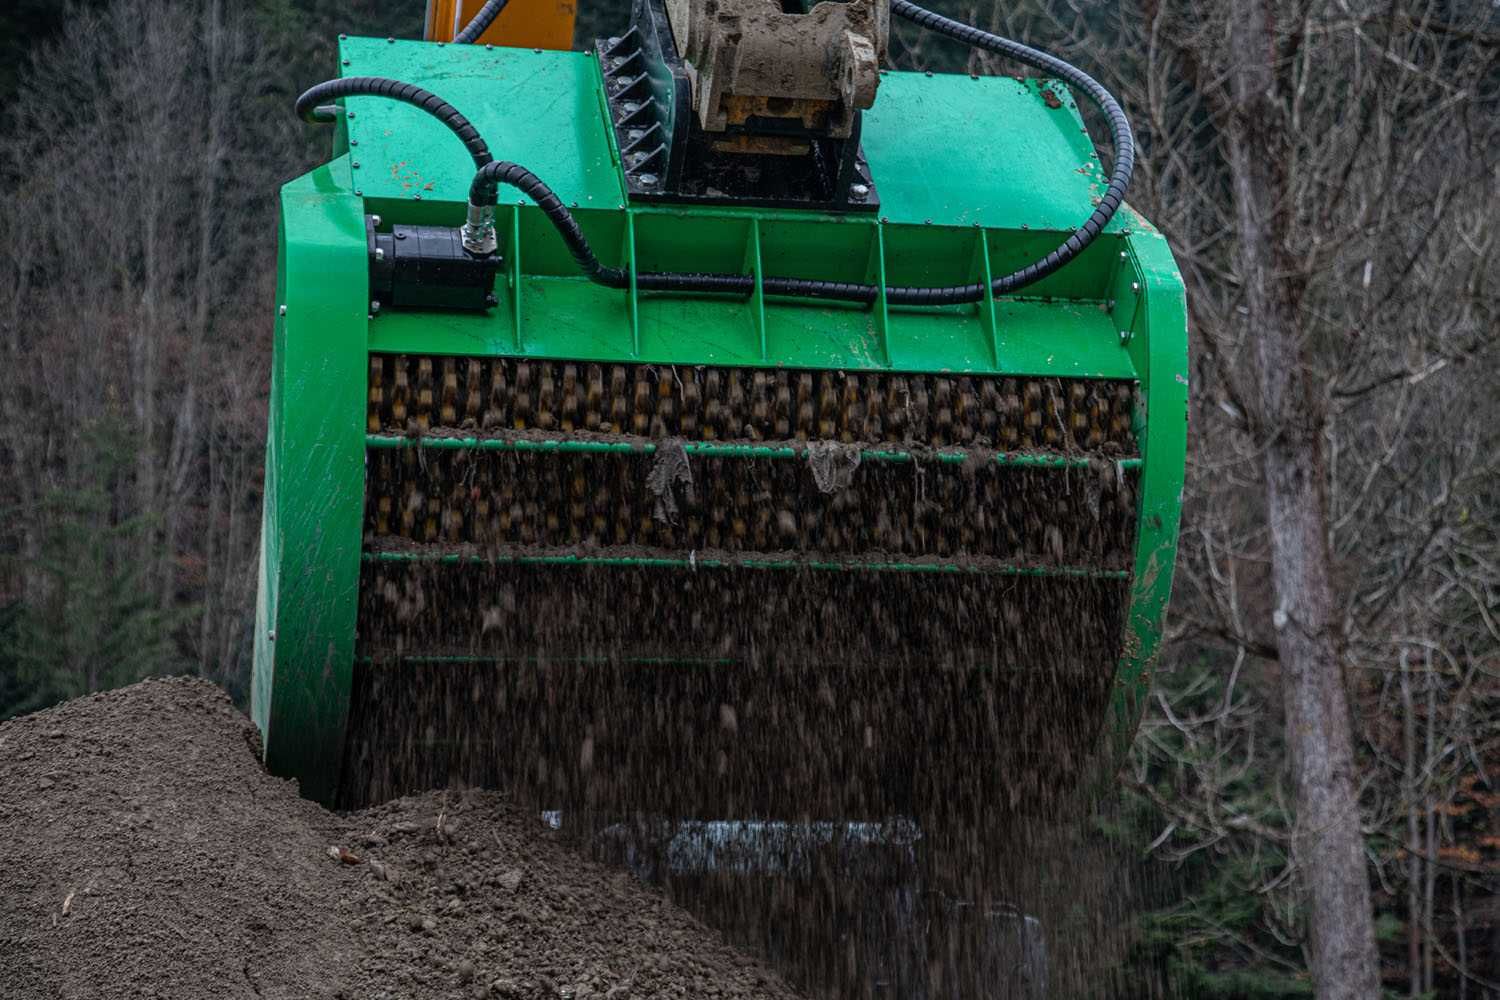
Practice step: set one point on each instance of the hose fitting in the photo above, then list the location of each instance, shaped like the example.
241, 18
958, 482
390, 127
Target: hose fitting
479, 230
489, 176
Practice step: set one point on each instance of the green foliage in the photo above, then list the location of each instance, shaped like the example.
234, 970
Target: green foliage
14, 690
1388, 927
22, 24
91, 624
1207, 788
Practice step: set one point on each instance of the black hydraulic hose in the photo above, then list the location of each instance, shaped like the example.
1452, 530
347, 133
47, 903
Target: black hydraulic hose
309, 105
483, 195
1121, 134
480, 23
485, 191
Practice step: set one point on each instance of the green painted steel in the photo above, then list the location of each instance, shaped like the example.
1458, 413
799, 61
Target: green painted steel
314, 497
602, 661
692, 562
943, 220
975, 176
706, 449
1151, 290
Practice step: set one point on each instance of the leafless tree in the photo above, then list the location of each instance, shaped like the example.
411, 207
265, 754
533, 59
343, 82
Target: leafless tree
142, 246
1327, 173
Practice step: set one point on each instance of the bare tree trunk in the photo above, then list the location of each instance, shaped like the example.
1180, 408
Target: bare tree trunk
1414, 845
1328, 840
1429, 810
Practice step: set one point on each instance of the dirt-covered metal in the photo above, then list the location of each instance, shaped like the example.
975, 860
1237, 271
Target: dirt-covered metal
815, 66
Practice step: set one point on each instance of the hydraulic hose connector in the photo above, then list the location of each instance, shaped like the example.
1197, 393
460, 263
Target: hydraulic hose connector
484, 191
479, 230
477, 236
489, 176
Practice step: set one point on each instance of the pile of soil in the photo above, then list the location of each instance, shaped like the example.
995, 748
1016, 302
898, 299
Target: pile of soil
146, 853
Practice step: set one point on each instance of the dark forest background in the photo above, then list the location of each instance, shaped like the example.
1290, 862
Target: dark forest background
142, 144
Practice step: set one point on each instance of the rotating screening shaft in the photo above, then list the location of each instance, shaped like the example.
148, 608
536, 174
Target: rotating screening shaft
421, 394
971, 510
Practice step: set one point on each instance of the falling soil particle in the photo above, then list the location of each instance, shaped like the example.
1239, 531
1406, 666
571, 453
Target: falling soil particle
160, 860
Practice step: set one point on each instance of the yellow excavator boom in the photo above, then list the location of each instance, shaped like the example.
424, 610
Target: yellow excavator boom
523, 24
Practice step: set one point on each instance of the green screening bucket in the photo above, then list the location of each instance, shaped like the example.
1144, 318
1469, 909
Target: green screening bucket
715, 555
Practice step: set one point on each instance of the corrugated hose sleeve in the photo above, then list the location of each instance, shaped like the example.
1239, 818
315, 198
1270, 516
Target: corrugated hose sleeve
483, 193
480, 23
1121, 135
485, 190
310, 103
493, 173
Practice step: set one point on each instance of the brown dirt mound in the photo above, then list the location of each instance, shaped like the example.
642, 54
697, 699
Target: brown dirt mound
146, 853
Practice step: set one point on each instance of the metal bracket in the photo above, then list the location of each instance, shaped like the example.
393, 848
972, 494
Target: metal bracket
667, 157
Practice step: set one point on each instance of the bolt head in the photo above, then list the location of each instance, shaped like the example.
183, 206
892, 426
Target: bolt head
282, 310
635, 134
647, 179
859, 190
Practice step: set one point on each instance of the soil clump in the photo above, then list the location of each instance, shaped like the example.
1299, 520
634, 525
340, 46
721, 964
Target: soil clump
146, 853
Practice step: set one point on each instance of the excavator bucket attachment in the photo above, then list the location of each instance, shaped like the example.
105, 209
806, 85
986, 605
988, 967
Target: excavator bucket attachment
715, 554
